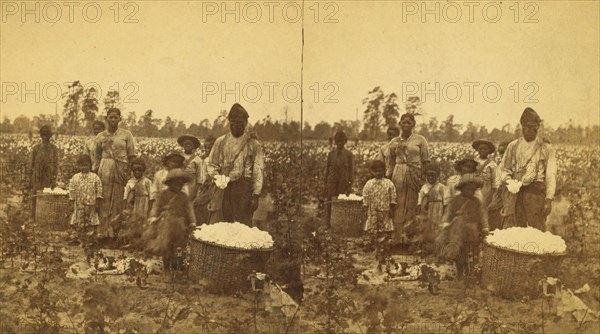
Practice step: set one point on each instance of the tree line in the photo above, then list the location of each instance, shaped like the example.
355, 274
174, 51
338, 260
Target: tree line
82, 108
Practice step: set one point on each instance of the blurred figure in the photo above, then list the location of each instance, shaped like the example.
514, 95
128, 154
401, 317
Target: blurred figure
385, 154
486, 169
90, 148
497, 202
430, 207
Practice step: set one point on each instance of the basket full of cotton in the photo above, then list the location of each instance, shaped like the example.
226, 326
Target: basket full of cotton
224, 254
514, 260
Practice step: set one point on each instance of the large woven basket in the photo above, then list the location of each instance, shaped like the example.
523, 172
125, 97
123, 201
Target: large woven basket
347, 218
513, 274
225, 269
53, 211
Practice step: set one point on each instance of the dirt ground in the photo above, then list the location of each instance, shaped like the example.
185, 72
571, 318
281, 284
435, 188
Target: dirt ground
43, 294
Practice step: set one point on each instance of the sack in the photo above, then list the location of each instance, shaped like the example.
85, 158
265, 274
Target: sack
216, 197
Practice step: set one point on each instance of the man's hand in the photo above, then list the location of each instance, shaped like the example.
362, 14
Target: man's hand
254, 203
547, 207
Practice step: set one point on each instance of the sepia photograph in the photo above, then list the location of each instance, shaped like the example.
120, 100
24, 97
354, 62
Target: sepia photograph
301, 166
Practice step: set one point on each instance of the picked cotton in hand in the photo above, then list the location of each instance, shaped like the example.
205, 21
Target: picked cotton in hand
221, 181
56, 191
234, 235
351, 197
527, 239
513, 186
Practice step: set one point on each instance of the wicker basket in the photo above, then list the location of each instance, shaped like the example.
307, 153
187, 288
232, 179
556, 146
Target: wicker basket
347, 218
225, 269
53, 210
513, 274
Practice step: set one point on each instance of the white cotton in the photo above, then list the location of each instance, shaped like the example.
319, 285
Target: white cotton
528, 240
351, 197
221, 181
56, 191
513, 186
234, 235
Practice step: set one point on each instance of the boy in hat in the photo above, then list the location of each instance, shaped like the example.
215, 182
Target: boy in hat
339, 173
486, 169
171, 220
532, 161
240, 157
170, 161
466, 165
464, 223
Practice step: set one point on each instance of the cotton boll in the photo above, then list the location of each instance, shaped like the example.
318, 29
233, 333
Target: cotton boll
527, 239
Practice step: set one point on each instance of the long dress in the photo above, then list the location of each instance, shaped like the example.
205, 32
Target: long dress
91, 148
432, 199
410, 154
116, 148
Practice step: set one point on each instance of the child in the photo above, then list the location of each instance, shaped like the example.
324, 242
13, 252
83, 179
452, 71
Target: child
339, 173
192, 164
431, 204
170, 161
85, 193
486, 169
44, 164
497, 203
171, 219
137, 201
464, 222
467, 165
91, 145
203, 194
379, 196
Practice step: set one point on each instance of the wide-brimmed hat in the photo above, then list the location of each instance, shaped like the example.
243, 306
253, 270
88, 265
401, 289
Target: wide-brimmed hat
173, 154
177, 173
469, 178
194, 140
465, 160
478, 142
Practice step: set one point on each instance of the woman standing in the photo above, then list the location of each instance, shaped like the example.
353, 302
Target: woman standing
408, 153
116, 148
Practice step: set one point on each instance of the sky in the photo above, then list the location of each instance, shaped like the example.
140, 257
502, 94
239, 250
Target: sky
483, 62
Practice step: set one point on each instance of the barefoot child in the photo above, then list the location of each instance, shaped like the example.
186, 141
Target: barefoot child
85, 193
464, 223
137, 202
431, 204
171, 219
339, 173
379, 196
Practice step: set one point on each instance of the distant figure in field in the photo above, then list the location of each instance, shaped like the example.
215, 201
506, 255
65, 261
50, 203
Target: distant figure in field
339, 173
44, 164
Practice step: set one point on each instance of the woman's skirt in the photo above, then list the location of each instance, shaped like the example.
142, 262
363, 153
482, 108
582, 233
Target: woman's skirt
113, 175
407, 181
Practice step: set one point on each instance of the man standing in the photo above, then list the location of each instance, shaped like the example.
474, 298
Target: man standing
240, 157
530, 160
